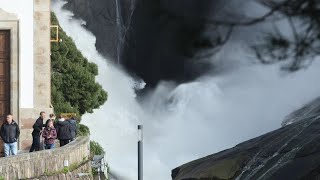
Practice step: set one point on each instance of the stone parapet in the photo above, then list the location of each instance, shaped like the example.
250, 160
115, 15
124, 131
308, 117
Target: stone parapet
48, 163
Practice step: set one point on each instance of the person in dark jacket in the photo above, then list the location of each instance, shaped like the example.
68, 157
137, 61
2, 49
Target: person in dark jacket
73, 128
49, 134
37, 129
63, 131
10, 133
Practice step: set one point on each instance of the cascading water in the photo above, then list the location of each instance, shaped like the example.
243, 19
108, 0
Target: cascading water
121, 27
186, 121
120, 30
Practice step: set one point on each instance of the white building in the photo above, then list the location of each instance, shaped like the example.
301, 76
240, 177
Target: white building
24, 63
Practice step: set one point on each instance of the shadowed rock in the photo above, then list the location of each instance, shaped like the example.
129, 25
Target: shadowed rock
291, 152
312, 109
153, 39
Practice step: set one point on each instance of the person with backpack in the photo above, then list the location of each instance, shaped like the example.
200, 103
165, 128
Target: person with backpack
10, 133
49, 134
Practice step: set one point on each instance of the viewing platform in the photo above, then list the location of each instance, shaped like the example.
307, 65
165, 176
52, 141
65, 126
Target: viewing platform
71, 161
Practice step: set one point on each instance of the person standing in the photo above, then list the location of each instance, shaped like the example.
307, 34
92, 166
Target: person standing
63, 131
73, 128
37, 129
49, 134
10, 133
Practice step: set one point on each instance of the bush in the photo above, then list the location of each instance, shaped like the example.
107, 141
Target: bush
82, 130
95, 148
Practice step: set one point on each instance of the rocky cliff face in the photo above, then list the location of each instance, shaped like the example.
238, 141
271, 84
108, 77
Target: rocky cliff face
156, 40
291, 152
308, 111
100, 17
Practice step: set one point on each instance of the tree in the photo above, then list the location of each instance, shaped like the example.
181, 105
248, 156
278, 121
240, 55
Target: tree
303, 17
73, 86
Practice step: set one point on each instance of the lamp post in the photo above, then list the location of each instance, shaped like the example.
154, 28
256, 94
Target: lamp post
140, 158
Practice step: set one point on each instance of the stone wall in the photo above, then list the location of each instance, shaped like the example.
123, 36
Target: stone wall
74, 175
48, 162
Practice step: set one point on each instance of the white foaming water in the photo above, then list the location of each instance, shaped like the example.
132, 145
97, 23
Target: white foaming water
188, 121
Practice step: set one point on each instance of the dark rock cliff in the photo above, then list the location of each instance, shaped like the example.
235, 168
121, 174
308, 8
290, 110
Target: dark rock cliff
100, 17
154, 39
166, 39
291, 152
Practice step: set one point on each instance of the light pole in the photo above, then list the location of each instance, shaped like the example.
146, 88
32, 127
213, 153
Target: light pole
140, 158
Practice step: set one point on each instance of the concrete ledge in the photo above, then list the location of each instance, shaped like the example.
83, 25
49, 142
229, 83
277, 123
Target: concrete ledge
36, 164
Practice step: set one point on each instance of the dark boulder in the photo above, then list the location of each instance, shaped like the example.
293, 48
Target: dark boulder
291, 152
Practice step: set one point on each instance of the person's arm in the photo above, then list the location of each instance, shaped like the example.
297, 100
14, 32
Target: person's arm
17, 131
44, 134
37, 125
54, 134
76, 129
2, 132
57, 129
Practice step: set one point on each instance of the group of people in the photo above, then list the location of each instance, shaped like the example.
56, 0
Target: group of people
65, 130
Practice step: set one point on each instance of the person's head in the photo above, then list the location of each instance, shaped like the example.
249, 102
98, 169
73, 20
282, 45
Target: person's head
50, 123
9, 118
52, 116
61, 118
42, 114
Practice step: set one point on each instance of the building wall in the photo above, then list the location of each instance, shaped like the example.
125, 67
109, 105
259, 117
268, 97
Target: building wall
33, 85
41, 72
36, 164
24, 12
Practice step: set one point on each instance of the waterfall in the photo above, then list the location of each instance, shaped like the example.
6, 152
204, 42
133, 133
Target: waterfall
120, 30
183, 122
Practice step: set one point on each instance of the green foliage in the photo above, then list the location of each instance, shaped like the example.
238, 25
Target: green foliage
73, 86
1, 178
65, 170
94, 171
82, 130
95, 148
74, 166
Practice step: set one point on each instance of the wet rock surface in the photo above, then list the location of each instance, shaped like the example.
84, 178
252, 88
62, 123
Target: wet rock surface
291, 152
